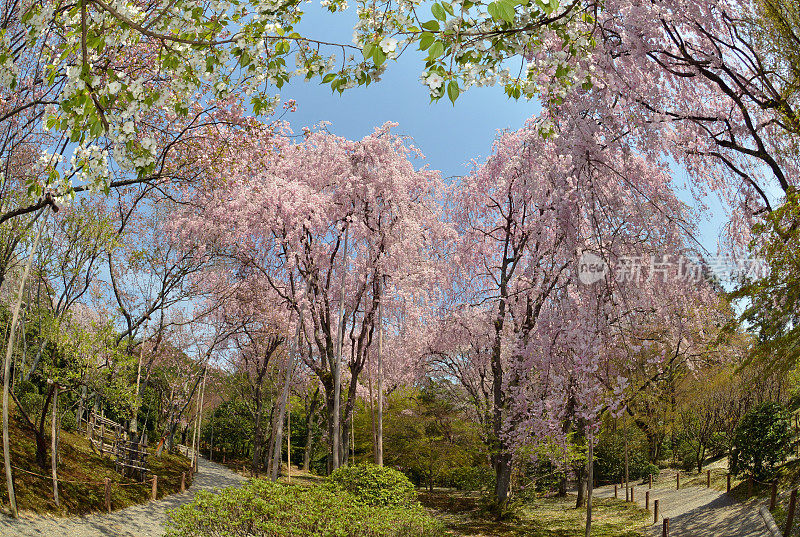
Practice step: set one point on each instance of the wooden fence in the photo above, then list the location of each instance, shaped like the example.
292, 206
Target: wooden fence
110, 438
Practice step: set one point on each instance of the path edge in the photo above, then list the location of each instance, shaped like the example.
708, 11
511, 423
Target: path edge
774, 531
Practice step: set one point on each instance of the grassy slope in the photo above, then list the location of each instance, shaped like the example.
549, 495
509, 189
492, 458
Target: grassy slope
77, 462
545, 517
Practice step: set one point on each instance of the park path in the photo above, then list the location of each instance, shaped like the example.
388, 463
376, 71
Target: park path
143, 520
697, 511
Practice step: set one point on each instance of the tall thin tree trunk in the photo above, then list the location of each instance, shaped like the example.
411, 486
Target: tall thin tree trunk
81, 406
589, 483
289, 445
54, 444
379, 432
337, 367
194, 432
257, 434
627, 488
309, 432
135, 417
7, 366
276, 458
200, 414
372, 416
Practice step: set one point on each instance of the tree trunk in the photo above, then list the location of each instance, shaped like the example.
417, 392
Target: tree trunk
276, 458
200, 415
7, 368
503, 474
581, 482
626, 461
81, 405
590, 484
309, 431
372, 417
257, 434
337, 369
379, 432
54, 446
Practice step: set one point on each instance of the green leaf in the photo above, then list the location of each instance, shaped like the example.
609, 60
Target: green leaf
368, 49
432, 26
501, 10
426, 40
436, 50
327, 78
452, 91
378, 56
438, 11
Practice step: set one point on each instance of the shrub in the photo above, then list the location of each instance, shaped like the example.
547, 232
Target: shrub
374, 485
473, 478
650, 469
609, 463
761, 441
261, 508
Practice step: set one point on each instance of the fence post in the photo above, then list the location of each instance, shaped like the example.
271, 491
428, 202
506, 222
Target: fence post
632, 500
655, 511
651, 481
665, 528
790, 515
108, 494
616, 494
647, 500
155, 486
627, 493
678, 485
708, 478
183, 481
773, 497
729, 483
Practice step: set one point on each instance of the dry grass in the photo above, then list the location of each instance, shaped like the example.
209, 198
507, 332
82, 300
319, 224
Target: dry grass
81, 472
544, 517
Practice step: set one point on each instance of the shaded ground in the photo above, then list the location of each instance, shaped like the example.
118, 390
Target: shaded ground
544, 517
697, 511
81, 472
145, 520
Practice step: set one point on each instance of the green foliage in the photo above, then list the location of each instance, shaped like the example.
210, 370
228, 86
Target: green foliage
473, 478
263, 508
428, 433
375, 485
761, 441
609, 455
772, 300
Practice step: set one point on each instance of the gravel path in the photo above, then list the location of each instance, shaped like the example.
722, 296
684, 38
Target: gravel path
697, 511
144, 520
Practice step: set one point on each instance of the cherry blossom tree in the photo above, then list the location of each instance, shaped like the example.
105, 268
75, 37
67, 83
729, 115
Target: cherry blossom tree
542, 342
283, 215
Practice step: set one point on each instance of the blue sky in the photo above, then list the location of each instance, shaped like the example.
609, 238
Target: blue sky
449, 136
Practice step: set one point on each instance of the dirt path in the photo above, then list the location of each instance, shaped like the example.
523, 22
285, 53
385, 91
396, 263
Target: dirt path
145, 520
698, 511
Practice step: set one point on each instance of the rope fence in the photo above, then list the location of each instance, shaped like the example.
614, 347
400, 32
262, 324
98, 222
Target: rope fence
750, 483
75, 482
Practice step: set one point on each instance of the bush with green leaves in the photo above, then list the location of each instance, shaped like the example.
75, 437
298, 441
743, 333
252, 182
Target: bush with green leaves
609, 465
374, 485
473, 478
261, 508
761, 441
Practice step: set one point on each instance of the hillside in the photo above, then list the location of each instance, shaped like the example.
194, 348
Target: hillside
81, 474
